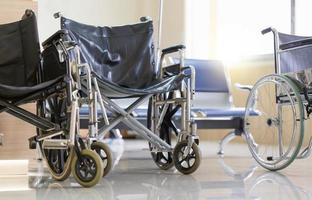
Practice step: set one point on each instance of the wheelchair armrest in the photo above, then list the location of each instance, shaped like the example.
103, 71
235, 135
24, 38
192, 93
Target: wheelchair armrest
172, 49
243, 87
297, 43
54, 37
173, 69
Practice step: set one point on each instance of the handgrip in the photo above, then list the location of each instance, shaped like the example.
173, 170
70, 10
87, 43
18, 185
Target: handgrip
57, 15
173, 49
267, 30
145, 19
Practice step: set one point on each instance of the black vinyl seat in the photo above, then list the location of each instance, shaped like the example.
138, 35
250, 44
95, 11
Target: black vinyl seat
20, 60
113, 90
13, 92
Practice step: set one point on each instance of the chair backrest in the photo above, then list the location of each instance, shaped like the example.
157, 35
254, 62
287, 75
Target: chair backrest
123, 54
19, 51
211, 85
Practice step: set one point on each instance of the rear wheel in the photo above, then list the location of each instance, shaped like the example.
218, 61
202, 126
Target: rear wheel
163, 160
54, 108
274, 122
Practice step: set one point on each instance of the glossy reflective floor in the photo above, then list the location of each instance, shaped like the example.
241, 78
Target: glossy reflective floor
135, 176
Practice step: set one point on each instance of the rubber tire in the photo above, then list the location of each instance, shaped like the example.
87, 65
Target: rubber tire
301, 134
66, 173
176, 152
108, 153
166, 166
99, 165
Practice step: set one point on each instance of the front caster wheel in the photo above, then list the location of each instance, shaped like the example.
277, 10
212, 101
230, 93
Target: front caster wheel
104, 152
186, 164
88, 170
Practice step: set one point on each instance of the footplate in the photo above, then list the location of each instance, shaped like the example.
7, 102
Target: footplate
55, 144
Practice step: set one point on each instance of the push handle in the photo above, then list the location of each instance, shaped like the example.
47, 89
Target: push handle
57, 15
145, 19
173, 49
267, 30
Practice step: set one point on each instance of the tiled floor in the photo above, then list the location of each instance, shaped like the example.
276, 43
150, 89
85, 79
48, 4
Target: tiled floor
135, 176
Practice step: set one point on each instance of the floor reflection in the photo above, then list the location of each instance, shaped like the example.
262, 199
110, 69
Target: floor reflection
136, 177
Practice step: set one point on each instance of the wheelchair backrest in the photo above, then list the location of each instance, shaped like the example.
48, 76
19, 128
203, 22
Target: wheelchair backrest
293, 53
122, 54
211, 84
19, 51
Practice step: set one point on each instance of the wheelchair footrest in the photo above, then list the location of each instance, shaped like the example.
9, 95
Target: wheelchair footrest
55, 144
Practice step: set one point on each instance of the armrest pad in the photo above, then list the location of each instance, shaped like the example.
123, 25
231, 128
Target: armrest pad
173, 49
55, 36
296, 43
243, 87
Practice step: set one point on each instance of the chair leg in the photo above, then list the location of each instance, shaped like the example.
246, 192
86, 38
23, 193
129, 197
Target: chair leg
230, 136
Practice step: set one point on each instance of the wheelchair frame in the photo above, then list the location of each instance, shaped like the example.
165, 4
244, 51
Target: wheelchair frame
84, 150
293, 93
188, 131
187, 92
57, 136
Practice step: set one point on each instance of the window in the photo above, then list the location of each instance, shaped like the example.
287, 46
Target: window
235, 27
303, 17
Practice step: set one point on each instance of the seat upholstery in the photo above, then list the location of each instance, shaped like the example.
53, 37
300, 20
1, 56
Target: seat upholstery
123, 55
20, 59
113, 90
13, 92
19, 52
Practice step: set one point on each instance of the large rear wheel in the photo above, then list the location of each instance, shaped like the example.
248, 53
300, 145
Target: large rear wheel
274, 121
54, 108
163, 160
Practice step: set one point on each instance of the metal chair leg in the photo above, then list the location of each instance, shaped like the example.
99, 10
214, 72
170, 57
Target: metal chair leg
230, 136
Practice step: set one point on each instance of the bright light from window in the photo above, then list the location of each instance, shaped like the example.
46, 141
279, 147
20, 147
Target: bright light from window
239, 25
303, 17
230, 30
198, 24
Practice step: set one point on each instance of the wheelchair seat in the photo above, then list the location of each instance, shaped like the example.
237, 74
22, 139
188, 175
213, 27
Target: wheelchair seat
113, 90
20, 59
13, 92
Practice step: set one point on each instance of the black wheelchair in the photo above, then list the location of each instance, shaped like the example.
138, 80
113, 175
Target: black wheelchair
49, 79
121, 63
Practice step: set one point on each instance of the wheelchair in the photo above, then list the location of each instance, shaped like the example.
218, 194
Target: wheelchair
283, 101
48, 78
122, 63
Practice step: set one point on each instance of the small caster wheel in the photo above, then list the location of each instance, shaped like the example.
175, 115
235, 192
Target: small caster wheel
104, 152
186, 164
89, 169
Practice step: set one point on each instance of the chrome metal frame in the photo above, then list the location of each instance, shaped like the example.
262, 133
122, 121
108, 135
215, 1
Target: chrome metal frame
277, 51
95, 98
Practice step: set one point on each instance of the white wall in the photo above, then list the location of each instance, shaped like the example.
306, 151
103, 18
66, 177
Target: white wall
113, 12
